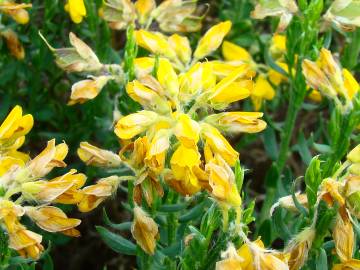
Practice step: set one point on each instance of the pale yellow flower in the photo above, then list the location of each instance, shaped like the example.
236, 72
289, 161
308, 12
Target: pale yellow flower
93, 155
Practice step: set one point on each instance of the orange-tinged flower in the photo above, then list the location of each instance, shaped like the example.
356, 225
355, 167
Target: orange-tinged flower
53, 219
343, 235
26, 242
95, 194
144, 230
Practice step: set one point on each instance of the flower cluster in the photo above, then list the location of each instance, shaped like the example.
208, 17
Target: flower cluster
19, 14
25, 191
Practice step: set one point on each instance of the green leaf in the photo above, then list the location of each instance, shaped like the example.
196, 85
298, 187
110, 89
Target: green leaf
193, 213
239, 175
120, 226
313, 180
270, 143
116, 242
321, 261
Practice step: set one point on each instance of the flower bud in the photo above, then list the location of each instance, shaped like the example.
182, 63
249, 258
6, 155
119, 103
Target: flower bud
143, 9
181, 46
16, 11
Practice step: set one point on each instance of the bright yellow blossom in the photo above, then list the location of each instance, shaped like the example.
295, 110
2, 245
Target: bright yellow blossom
76, 9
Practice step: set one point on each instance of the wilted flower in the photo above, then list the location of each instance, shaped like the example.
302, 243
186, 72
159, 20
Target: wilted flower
344, 14
144, 230
13, 43
299, 248
171, 16
81, 58
278, 8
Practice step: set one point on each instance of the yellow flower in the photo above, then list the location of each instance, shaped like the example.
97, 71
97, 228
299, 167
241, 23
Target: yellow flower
144, 230
176, 48
93, 155
233, 52
168, 78
53, 219
212, 39
13, 43
197, 79
231, 260
218, 144
14, 127
95, 194
155, 43
278, 45
26, 243
350, 83
131, 125
85, 90
235, 122
228, 90
143, 66
262, 90
276, 77
184, 164
147, 97
187, 131
76, 9
15, 11
181, 47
